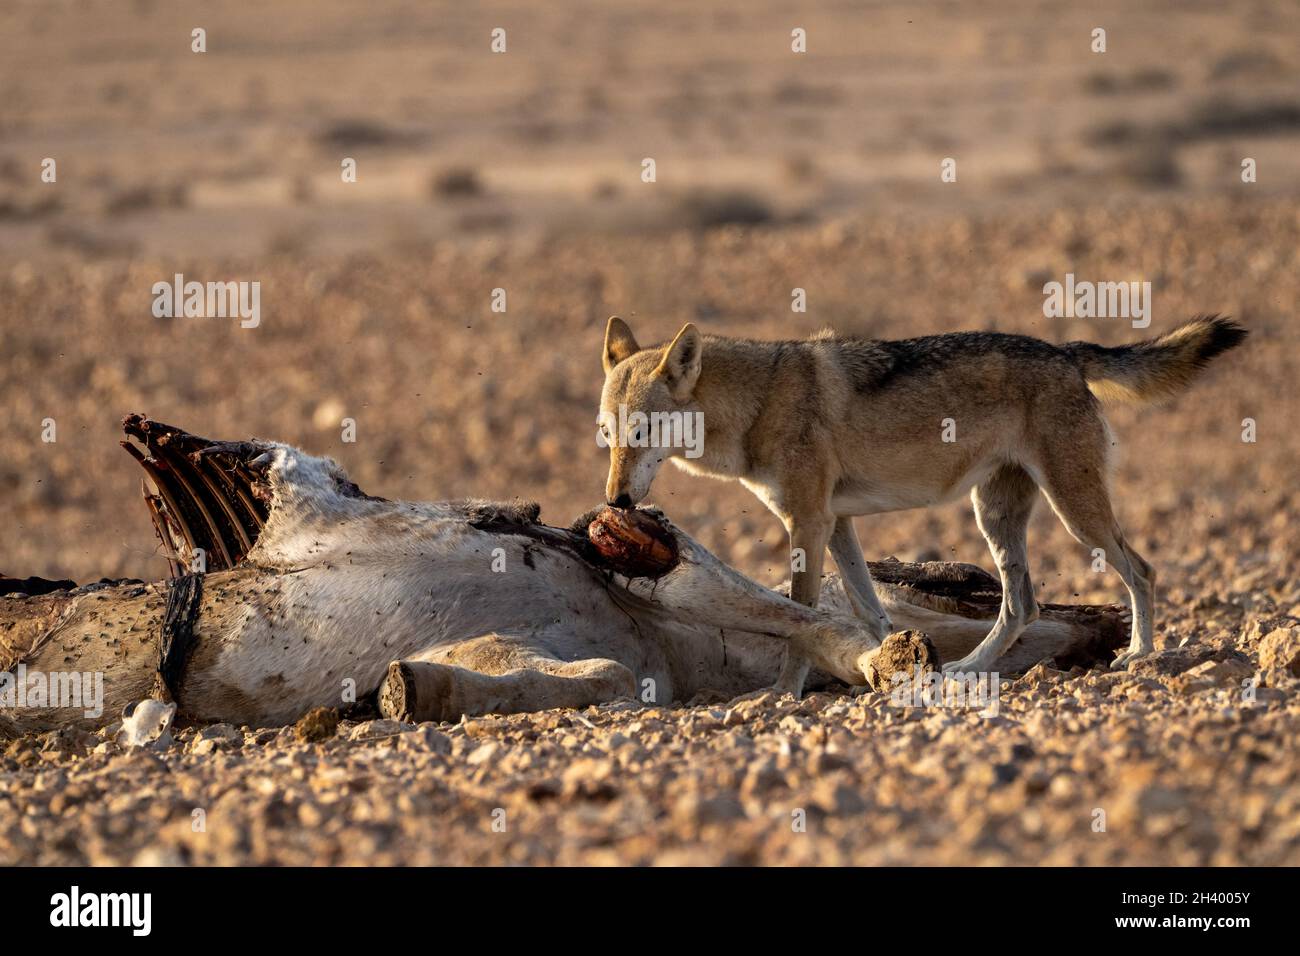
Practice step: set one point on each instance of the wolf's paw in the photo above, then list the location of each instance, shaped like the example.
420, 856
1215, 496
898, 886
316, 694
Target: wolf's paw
1124, 660
968, 664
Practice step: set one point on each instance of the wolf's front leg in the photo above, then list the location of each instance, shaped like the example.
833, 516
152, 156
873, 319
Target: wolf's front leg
847, 553
808, 540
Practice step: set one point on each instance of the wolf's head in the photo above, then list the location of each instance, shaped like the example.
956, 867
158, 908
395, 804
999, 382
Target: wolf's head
647, 409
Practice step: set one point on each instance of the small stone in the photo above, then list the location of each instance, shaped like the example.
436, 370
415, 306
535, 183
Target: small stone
1040, 674
837, 797
791, 724
19, 746
310, 815
159, 856
483, 727
425, 739
1209, 675
1257, 628
377, 729
745, 709
761, 777
1279, 650
824, 761
262, 737
590, 779
213, 738
70, 741
482, 754
701, 810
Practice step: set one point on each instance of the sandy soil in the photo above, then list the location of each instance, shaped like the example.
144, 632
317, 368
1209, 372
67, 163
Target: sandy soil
376, 306
1166, 765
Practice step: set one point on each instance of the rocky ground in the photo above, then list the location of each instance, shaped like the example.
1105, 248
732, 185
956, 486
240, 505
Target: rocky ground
777, 172
1182, 767
1190, 758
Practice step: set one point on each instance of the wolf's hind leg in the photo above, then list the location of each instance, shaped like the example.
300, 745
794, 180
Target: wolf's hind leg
496, 675
1003, 503
1079, 498
1140, 579
847, 553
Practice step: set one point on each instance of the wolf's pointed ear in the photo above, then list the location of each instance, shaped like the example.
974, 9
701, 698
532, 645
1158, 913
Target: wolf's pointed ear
619, 342
681, 362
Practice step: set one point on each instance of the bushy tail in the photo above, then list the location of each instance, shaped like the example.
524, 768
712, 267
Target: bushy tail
1159, 368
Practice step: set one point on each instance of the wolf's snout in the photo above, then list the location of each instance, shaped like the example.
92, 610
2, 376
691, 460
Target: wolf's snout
621, 501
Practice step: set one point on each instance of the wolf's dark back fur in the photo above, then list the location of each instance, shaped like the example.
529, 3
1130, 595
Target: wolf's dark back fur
1152, 368
874, 364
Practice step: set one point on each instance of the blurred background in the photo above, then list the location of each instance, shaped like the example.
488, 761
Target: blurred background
522, 171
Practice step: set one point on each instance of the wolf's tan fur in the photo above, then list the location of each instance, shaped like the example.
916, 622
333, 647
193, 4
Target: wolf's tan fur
829, 428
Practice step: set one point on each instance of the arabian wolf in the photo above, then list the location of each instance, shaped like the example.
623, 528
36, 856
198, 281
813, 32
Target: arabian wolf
829, 428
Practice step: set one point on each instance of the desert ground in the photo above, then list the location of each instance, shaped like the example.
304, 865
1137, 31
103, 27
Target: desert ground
522, 171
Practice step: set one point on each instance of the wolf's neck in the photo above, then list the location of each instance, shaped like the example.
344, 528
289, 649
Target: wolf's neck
735, 379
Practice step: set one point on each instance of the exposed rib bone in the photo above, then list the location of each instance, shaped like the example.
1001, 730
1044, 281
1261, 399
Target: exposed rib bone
207, 490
